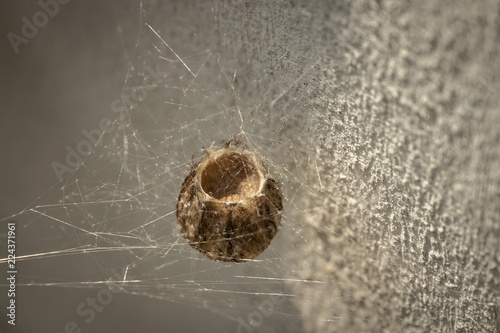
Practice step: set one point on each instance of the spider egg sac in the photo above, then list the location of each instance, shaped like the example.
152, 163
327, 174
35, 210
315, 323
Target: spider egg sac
229, 207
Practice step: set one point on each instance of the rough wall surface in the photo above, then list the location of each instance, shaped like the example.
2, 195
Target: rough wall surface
408, 131
400, 103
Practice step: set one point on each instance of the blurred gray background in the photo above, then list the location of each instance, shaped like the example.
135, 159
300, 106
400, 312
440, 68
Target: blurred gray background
60, 83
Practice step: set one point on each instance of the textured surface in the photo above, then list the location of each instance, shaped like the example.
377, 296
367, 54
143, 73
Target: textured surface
400, 102
408, 133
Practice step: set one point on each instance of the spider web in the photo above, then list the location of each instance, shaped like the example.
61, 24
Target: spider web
394, 228
112, 223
